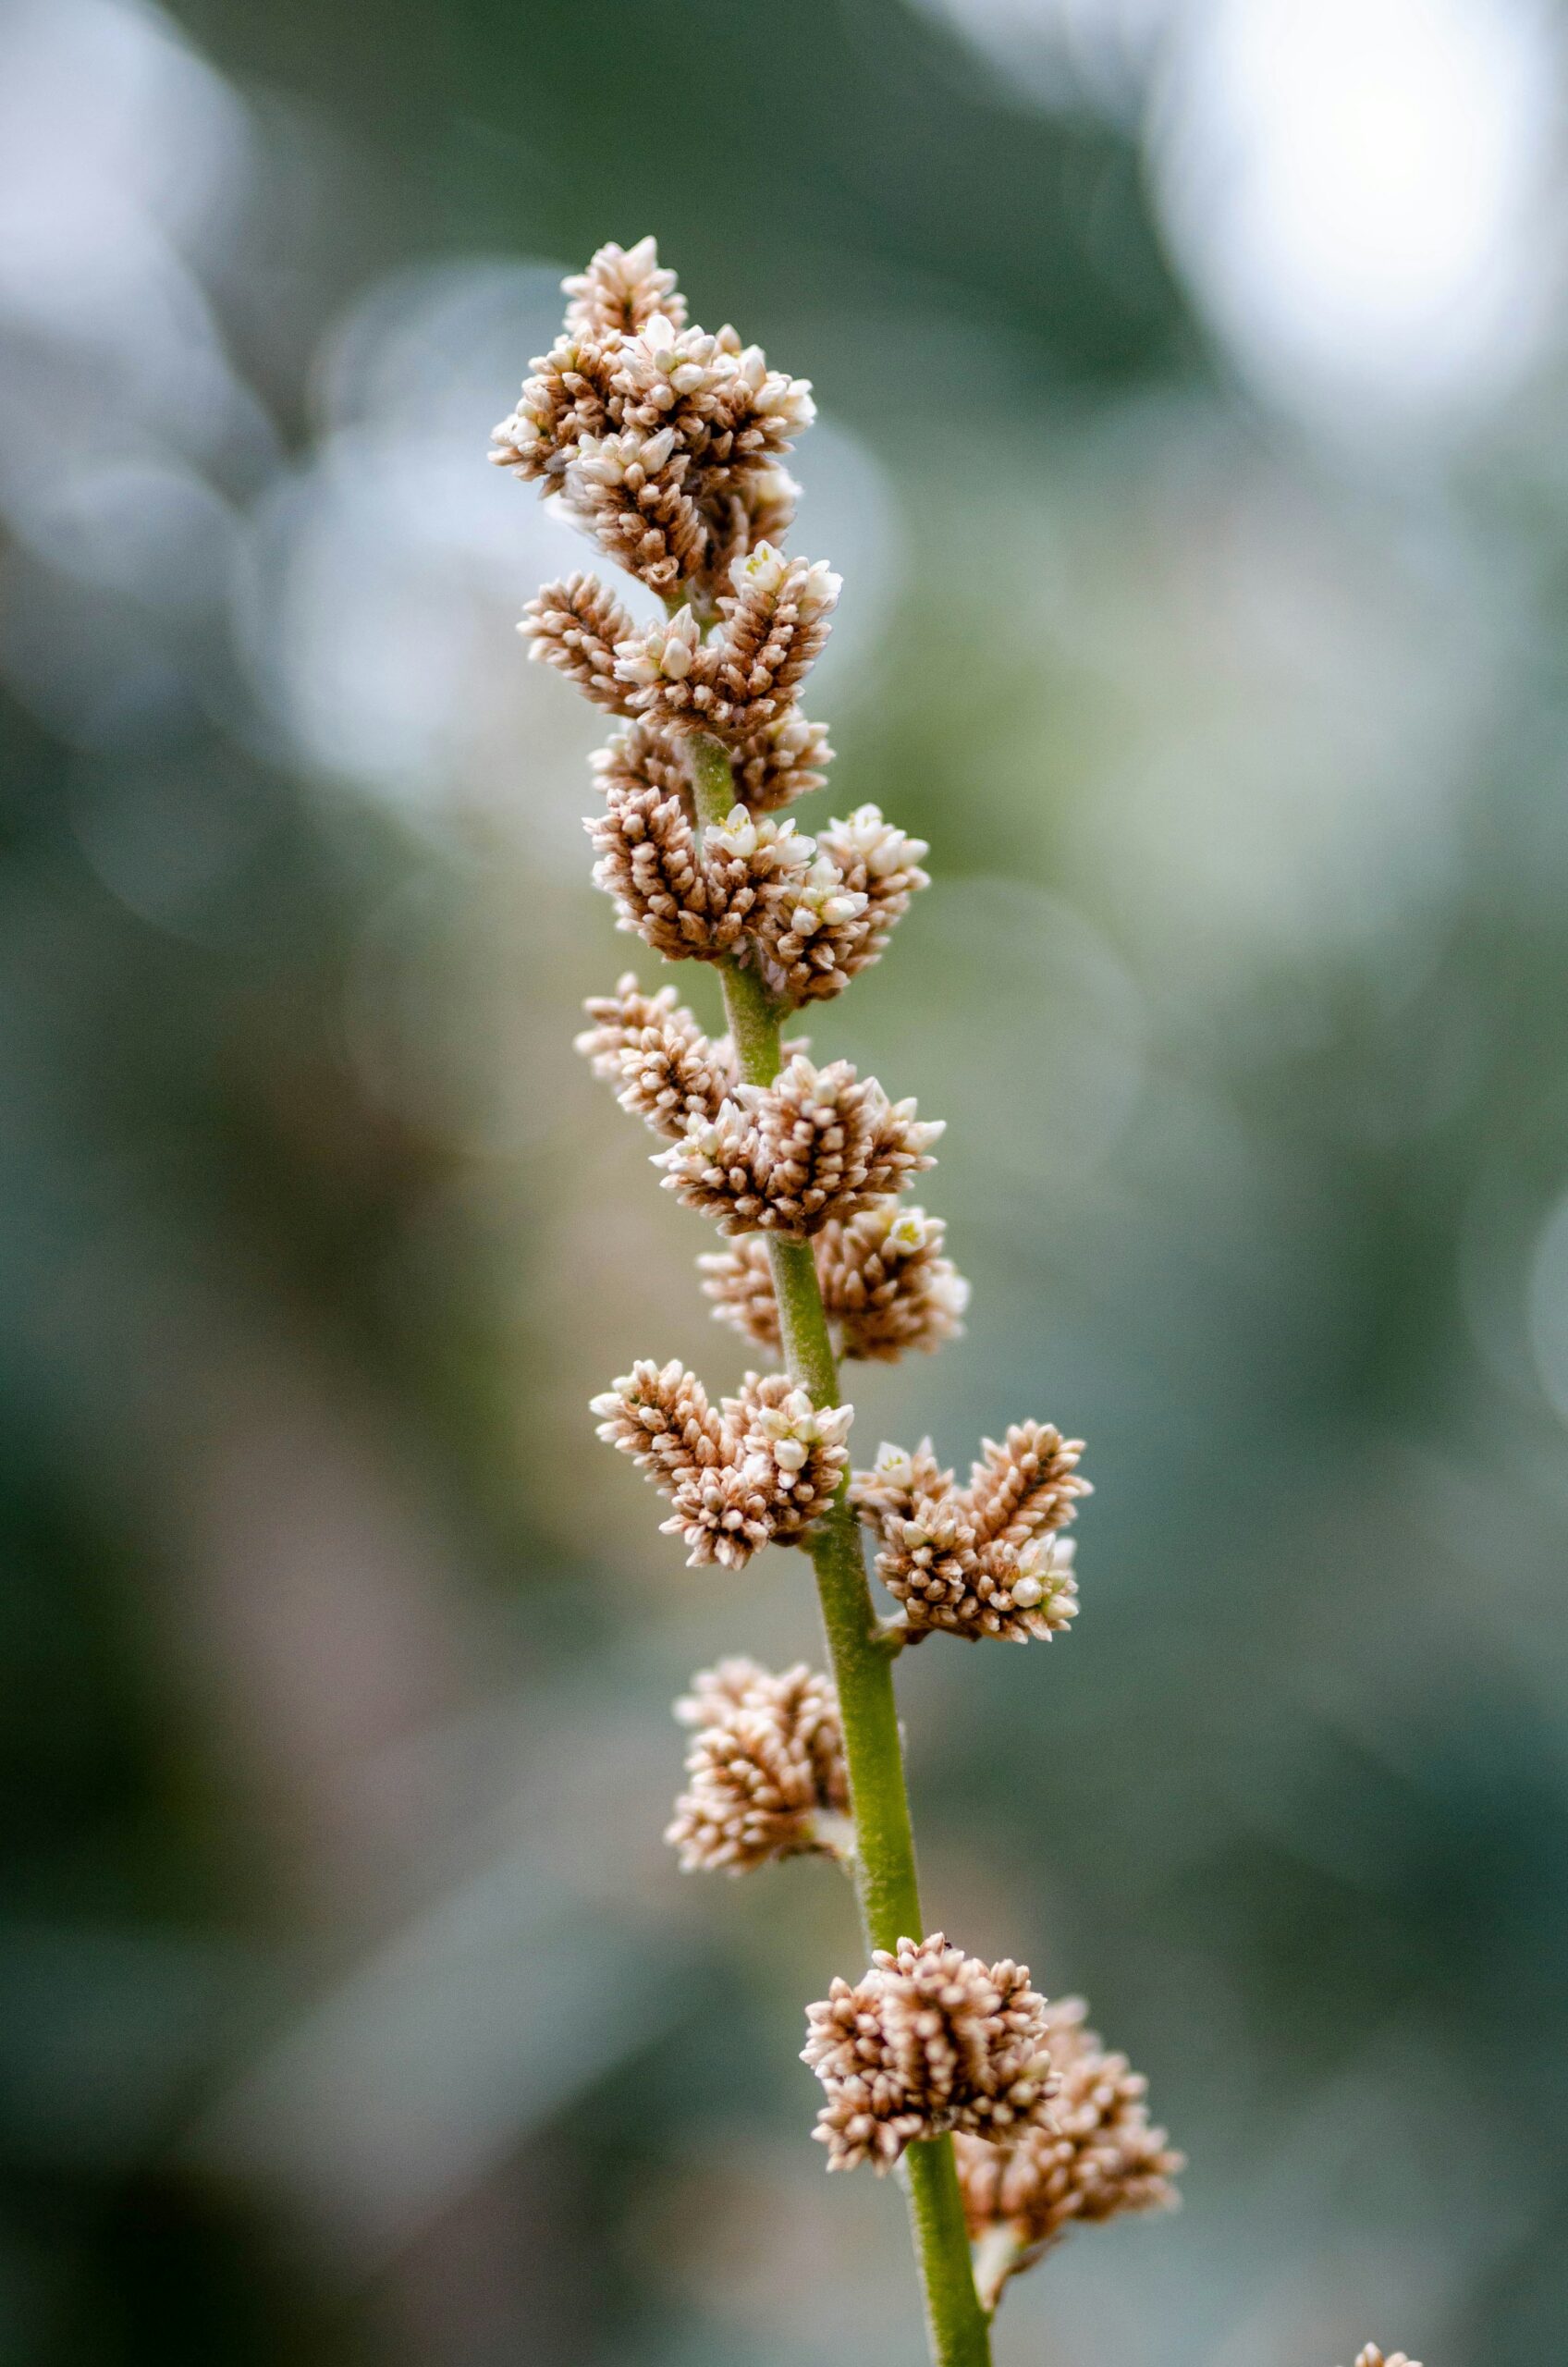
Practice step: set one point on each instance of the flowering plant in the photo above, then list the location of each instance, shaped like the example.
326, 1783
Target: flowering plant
1006, 2118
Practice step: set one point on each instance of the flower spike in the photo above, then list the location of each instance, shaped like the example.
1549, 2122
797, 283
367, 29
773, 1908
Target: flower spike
668, 446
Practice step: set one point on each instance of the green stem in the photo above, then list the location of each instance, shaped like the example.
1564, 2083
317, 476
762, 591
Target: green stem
885, 1870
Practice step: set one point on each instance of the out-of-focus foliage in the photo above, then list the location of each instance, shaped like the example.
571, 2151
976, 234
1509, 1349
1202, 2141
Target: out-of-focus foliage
1204, 527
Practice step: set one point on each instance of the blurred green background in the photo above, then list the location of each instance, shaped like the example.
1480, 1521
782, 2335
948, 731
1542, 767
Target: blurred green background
1193, 447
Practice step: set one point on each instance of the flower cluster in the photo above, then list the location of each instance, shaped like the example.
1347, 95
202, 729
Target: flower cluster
576, 627
755, 1470
929, 2040
621, 288
808, 913
662, 1066
771, 767
766, 1768
788, 1157
985, 1560
692, 903
1097, 2158
886, 1286
664, 442
839, 916
743, 677
786, 759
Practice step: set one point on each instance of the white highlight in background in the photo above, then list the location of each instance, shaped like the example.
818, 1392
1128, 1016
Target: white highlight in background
1354, 188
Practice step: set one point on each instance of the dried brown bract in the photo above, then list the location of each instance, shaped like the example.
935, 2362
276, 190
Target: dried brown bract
775, 621
810, 939
646, 755
767, 1769
568, 398
929, 2040
799, 1447
758, 508
630, 492
888, 1284
985, 1560
887, 1287
1099, 2158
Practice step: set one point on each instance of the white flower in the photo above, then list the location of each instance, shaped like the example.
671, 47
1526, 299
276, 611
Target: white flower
664, 363
766, 574
894, 1467
818, 589
762, 570
772, 488
879, 845
794, 1429
920, 1132
1045, 1570
630, 458
518, 430
786, 401
665, 652
743, 836
950, 1291
822, 901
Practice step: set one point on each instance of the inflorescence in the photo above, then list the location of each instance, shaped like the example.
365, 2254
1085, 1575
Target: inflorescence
667, 446
985, 1560
930, 2041
886, 1285
765, 1768
756, 1469
1096, 2158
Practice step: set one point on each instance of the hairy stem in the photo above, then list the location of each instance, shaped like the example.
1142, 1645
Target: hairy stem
885, 1870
